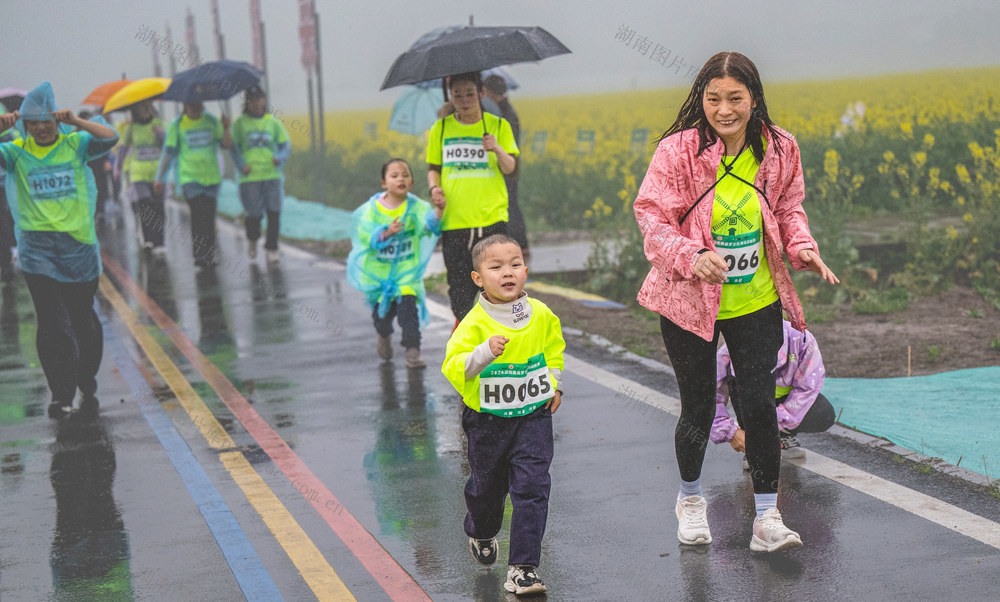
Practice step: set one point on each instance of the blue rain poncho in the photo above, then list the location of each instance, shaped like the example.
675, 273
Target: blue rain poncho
386, 270
53, 195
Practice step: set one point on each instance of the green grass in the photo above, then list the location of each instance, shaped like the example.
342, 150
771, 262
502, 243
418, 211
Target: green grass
881, 302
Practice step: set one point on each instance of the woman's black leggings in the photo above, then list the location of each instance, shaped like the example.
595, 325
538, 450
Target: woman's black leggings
753, 341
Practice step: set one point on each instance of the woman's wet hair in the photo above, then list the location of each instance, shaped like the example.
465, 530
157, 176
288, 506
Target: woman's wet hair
250, 94
692, 113
490, 241
385, 168
471, 76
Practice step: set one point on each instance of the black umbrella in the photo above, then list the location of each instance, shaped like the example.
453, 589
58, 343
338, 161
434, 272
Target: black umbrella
216, 80
471, 49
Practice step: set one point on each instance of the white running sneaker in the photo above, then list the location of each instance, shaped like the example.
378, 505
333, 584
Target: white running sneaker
770, 534
692, 521
523, 579
273, 256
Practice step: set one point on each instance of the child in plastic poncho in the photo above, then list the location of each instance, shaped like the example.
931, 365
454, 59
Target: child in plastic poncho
393, 235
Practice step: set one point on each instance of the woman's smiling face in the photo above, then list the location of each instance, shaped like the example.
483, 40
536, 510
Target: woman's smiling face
728, 106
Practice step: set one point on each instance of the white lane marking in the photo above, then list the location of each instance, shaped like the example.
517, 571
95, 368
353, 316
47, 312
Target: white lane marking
914, 502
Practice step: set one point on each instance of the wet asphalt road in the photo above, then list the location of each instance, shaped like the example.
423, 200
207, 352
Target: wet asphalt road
146, 501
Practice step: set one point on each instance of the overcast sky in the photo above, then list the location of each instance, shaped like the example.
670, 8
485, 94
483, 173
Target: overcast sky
79, 44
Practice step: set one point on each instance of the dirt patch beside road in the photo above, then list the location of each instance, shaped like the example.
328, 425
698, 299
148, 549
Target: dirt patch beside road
949, 331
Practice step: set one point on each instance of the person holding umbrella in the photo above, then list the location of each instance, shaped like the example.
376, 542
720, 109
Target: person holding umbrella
468, 154
193, 139
260, 148
53, 204
140, 149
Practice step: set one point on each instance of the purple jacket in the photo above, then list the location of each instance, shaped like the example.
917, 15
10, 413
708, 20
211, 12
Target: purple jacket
800, 366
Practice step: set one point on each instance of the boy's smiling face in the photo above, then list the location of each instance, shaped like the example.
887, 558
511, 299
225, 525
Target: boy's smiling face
501, 273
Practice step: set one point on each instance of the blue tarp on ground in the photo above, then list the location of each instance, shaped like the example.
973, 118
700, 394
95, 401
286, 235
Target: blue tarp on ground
947, 415
301, 220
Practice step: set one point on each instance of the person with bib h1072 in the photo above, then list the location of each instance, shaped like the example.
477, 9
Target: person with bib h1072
505, 358
53, 197
720, 203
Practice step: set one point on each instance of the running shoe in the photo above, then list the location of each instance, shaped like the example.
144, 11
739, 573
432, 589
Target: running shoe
60, 410
692, 521
383, 345
523, 579
790, 448
770, 534
273, 256
89, 405
414, 359
484, 550
251, 249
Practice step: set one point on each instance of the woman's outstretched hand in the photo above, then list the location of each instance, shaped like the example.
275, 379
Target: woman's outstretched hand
815, 263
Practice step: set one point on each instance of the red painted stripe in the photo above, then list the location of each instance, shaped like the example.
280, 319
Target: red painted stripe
392, 577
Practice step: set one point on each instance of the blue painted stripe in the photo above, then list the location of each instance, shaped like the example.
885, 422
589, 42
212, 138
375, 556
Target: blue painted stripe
246, 565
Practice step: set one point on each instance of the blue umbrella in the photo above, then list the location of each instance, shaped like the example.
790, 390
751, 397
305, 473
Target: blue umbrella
416, 110
216, 80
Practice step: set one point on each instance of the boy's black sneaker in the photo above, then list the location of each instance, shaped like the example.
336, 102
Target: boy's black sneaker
484, 550
523, 579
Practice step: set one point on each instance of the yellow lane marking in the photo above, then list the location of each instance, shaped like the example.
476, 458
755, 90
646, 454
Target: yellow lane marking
562, 291
315, 570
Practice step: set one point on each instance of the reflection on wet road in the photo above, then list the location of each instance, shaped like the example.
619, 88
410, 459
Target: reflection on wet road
251, 445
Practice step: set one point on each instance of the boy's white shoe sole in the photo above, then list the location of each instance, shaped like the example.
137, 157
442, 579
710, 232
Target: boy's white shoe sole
771, 535
692, 521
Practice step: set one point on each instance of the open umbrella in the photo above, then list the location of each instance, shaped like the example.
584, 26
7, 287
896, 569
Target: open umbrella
100, 95
217, 80
11, 98
138, 91
471, 49
507, 77
416, 110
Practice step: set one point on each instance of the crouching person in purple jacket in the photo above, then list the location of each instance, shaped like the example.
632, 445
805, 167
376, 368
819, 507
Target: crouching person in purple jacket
800, 406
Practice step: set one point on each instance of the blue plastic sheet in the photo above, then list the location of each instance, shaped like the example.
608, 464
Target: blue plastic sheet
301, 220
948, 415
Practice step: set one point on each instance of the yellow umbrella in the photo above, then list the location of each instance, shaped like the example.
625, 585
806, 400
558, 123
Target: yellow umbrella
137, 91
99, 95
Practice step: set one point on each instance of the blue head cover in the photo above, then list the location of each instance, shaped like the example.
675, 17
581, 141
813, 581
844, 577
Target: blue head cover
39, 105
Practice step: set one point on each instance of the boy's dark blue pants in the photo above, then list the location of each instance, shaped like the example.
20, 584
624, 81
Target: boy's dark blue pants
406, 309
509, 455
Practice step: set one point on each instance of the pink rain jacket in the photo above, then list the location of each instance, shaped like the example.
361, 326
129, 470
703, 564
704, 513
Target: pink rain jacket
800, 366
676, 178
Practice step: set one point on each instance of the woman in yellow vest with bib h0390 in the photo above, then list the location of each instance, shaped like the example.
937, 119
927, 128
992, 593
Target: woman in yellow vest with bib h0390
52, 196
468, 154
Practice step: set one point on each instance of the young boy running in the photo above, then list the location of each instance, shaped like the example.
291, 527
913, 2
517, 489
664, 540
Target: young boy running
505, 358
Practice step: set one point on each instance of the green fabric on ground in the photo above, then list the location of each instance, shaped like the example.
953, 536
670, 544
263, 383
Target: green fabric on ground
947, 415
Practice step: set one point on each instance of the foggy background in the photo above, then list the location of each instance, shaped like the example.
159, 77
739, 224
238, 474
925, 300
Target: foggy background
79, 45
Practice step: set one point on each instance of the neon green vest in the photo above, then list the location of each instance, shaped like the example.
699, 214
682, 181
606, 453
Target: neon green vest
144, 156
52, 190
517, 382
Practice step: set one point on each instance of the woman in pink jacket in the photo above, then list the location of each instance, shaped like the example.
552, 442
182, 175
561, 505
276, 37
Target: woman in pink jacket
720, 203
